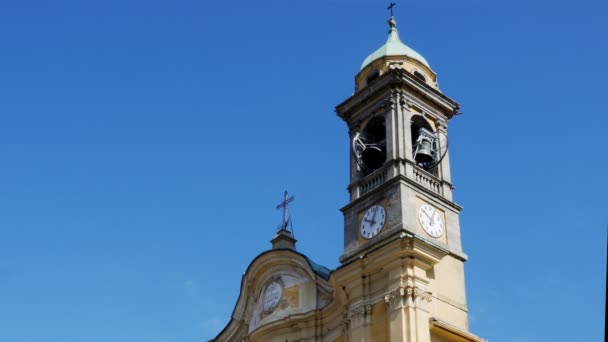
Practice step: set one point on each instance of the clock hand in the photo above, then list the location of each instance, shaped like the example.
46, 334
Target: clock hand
374, 215
433, 218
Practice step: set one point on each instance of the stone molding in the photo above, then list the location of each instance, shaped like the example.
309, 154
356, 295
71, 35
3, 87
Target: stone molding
434, 98
381, 106
408, 296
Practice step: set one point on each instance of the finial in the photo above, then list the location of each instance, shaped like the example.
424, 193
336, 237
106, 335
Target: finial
391, 21
390, 8
286, 217
284, 239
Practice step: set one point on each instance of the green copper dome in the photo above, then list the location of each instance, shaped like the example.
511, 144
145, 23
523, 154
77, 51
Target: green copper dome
394, 47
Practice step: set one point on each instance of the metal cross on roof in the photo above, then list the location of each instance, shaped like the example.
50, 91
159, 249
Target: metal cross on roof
283, 205
390, 7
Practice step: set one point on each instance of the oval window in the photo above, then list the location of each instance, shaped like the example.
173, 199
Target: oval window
419, 75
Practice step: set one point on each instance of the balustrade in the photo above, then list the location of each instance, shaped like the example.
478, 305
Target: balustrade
372, 181
427, 180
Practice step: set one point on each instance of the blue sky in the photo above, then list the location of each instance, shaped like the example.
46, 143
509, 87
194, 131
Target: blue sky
145, 144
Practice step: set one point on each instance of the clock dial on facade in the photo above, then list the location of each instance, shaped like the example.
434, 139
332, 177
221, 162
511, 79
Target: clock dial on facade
272, 295
373, 221
430, 220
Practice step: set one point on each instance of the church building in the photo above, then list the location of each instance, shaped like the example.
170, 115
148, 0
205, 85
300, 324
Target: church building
401, 273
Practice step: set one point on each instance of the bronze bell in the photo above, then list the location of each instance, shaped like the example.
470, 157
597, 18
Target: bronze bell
424, 153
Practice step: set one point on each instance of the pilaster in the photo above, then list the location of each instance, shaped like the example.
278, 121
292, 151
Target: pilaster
406, 132
408, 301
444, 166
409, 309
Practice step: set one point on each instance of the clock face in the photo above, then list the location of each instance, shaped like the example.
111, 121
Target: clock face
373, 221
430, 220
272, 295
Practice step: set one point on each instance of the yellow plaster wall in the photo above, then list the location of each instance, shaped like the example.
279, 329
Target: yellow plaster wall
379, 323
435, 338
451, 314
449, 279
340, 339
415, 109
379, 282
449, 289
291, 295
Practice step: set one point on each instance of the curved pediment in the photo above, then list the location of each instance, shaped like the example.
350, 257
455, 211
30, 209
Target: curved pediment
278, 285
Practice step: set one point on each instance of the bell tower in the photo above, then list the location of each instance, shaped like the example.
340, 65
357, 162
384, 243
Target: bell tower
401, 277
402, 256
399, 161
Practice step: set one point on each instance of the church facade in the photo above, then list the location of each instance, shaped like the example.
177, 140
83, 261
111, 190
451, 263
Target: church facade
401, 273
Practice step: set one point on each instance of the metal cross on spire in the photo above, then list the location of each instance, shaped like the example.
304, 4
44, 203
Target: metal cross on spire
283, 205
391, 6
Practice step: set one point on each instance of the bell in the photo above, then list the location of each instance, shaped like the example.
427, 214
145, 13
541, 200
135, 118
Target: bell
423, 152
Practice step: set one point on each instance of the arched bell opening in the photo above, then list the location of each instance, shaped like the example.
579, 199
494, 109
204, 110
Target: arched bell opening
369, 145
424, 144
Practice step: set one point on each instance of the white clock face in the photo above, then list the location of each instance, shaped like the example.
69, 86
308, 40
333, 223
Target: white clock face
272, 295
430, 220
373, 221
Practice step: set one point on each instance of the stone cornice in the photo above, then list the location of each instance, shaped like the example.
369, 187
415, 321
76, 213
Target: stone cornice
444, 104
397, 245
286, 323
444, 329
380, 103
455, 207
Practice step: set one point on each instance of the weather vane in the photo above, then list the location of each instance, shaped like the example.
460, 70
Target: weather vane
390, 7
286, 218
